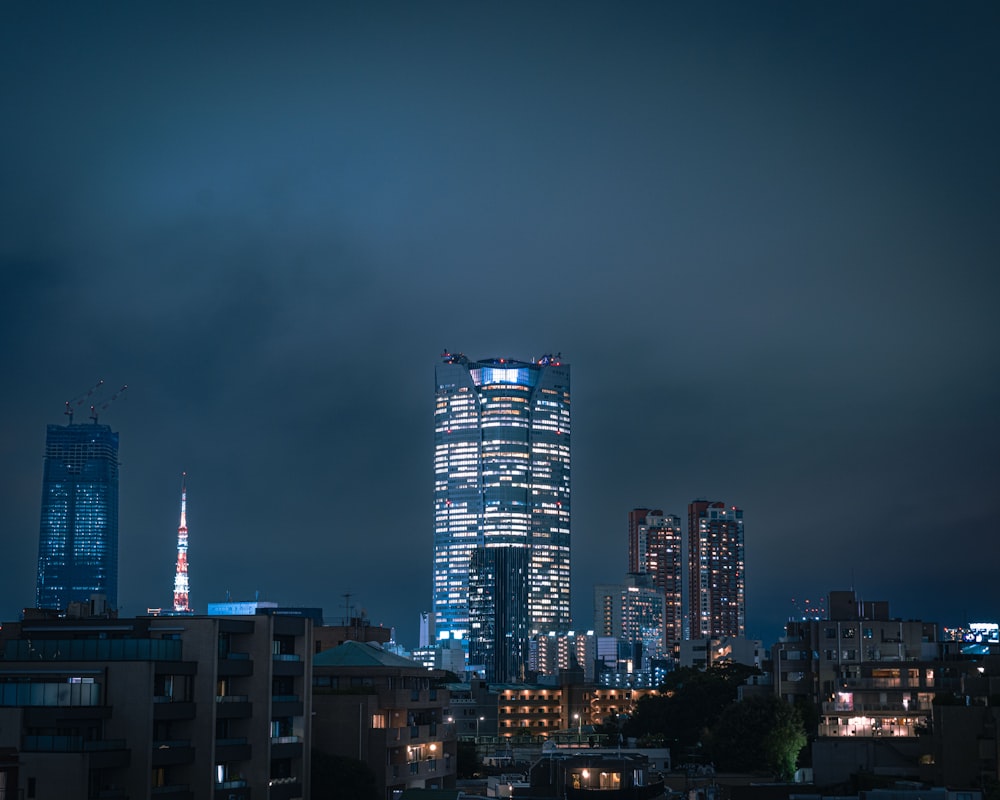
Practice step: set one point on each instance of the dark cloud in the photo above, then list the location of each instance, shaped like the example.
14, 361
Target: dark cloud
764, 238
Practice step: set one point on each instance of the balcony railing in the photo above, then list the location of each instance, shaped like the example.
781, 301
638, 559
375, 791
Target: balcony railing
285, 657
70, 744
167, 744
93, 650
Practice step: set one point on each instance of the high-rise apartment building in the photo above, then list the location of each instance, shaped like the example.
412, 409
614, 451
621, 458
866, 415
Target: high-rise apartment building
78, 536
633, 613
655, 548
716, 566
501, 481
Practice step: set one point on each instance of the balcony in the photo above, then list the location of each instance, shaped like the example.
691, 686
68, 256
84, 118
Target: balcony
180, 791
431, 768
283, 664
232, 790
93, 650
286, 705
286, 747
235, 665
233, 706
174, 751
236, 749
104, 753
284, 788
166, 708
414, 734
69, 744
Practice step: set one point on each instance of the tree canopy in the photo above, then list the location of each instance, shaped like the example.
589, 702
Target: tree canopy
340, 778
759, 732
691, 702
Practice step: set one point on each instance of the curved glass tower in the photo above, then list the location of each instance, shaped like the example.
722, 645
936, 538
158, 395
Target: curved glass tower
78, 536
501, 480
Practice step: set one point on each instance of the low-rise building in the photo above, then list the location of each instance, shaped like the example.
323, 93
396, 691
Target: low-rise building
387, 711
172, 708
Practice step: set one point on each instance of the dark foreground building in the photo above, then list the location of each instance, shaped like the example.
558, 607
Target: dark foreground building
164, 708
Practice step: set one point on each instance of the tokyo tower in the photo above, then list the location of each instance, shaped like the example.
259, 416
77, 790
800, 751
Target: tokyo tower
181, 578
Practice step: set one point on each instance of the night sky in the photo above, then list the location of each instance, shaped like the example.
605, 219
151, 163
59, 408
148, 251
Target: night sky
765, 236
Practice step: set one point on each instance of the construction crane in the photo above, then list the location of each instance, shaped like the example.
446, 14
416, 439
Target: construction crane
78, 401
106, 403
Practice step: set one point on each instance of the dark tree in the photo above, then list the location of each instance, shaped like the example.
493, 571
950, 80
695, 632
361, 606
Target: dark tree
467, 762
692, 702
758, 732
341, 778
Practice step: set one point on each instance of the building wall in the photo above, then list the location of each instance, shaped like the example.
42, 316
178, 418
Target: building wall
143, 702
392, 718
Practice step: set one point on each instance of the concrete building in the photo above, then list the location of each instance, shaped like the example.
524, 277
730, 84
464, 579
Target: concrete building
564, 710
387, 711
170, 708
871, 675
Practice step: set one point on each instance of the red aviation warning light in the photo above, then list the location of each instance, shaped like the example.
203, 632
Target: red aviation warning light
181, 578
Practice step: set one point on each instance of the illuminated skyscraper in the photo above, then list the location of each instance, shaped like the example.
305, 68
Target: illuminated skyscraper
78, 536
501, 480
655, 550
716, 597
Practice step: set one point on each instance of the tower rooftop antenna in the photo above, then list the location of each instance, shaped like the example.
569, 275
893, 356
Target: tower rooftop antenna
79, 399
106, 403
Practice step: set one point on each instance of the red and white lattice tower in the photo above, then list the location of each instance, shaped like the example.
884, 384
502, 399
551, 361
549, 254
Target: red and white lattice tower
181, 578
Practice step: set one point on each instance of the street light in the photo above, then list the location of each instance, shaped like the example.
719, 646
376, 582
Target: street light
579, 726
480, 719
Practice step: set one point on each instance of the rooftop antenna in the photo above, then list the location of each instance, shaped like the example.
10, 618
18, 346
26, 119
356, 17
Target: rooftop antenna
347, 608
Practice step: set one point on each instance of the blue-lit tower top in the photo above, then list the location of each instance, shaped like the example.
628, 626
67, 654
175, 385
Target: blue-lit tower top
502, 479
78, 535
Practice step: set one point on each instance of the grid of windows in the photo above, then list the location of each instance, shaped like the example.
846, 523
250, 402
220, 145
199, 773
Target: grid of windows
501, 478
78, 534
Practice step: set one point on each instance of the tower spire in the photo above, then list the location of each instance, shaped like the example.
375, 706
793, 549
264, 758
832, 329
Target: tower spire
181, 578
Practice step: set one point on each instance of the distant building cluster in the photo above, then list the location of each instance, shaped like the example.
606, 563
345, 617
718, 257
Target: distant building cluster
252, 699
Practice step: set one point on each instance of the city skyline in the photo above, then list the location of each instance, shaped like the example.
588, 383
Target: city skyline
764, 237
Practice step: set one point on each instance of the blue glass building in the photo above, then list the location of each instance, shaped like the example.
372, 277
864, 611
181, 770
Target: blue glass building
78, 536
501, 480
